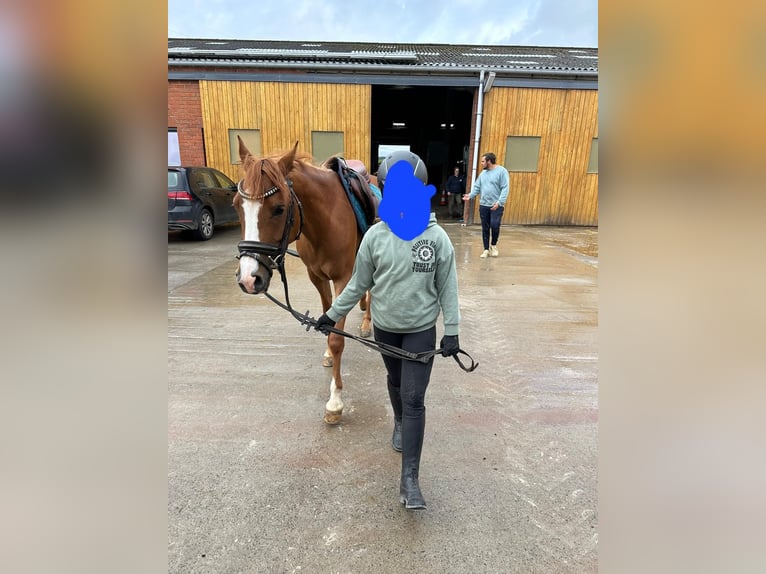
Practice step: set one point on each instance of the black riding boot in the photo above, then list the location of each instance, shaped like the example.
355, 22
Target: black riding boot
396, 404
396, 438
412, 445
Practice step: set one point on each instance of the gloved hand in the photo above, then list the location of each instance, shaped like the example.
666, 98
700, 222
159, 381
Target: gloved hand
324, 323
450, 345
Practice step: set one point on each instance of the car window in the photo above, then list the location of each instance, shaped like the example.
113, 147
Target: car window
202, 179
223, 180
175, 180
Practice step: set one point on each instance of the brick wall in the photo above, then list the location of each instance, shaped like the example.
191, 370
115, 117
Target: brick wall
185, 114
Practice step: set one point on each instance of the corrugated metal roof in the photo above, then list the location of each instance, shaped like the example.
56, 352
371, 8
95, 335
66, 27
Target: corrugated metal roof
421, 57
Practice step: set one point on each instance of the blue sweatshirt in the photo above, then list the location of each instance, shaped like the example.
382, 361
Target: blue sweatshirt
409, 281
492, 184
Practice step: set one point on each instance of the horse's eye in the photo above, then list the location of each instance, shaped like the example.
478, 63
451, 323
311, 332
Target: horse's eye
278, 210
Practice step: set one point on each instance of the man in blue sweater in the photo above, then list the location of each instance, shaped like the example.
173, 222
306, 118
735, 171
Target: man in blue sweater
492, 186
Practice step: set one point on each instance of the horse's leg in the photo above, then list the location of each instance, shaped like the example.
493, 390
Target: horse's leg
333, 409
325, 294
366, 327
334, 406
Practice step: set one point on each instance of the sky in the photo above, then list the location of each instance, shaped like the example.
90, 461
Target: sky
567, 23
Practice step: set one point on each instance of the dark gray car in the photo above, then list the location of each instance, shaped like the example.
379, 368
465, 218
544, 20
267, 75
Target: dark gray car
198, 199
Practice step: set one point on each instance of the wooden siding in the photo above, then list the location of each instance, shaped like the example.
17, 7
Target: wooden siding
284, 112
561, 192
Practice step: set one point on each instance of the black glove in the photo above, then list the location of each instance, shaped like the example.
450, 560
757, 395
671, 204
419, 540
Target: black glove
450, 345
324, 323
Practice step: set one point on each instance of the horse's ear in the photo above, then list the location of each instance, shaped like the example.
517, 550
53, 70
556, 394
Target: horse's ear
286, 163
243, 151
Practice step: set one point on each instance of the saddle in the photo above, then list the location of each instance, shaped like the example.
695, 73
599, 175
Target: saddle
355, 183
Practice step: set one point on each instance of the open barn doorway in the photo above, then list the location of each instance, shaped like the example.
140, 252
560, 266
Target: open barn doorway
432, 121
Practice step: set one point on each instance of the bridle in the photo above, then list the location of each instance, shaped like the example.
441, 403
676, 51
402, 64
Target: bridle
267, 254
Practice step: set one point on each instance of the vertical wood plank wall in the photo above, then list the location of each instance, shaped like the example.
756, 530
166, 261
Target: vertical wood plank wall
284, 112
561, 192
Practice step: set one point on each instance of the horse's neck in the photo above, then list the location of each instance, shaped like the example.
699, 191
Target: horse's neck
322, 197
312, 186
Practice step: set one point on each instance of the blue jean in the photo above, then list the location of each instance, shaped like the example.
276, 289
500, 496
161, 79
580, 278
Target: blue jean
490, 224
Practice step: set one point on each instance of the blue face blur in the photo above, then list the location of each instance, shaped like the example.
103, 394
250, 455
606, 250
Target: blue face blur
406, 204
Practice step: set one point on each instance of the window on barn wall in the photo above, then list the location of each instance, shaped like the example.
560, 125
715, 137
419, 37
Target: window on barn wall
522, 153
593, 161
326, 144
252, 139
174, 151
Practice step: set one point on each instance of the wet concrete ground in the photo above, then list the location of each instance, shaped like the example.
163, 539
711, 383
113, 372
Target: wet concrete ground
258, 483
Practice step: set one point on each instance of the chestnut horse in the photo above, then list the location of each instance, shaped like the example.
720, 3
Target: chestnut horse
287, 199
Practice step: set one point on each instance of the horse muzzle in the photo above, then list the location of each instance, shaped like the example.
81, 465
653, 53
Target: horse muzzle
256, 266
255, 279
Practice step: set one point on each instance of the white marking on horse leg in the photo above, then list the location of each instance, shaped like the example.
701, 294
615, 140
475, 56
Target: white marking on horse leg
327, 360
335, 404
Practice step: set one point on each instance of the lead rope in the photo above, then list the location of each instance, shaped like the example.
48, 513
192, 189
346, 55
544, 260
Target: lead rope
383, 348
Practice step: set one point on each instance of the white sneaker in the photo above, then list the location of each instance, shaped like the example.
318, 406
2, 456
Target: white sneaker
484, 254
493, 251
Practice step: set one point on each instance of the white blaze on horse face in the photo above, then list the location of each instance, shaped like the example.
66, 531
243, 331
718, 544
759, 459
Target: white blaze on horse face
248, 265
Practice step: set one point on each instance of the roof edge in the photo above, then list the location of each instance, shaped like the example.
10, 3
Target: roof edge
386, 67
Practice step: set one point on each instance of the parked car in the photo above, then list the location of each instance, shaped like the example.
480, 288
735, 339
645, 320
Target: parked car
199, 198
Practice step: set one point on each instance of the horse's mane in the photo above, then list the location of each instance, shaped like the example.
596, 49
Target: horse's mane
303, 159
269, 167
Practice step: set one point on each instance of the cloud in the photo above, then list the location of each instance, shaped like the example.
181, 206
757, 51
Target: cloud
562, 23
534, 22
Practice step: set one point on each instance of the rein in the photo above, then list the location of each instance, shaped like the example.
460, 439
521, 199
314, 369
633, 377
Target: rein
382, 348
273, 257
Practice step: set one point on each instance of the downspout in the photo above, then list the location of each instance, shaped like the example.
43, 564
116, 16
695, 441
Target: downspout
468, 208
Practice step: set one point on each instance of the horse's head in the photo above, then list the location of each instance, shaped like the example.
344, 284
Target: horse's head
267, 215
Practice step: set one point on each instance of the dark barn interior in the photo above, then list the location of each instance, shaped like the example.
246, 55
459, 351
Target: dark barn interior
434, 121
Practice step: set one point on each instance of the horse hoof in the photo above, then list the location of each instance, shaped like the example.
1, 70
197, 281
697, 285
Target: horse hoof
332, 418
327, 361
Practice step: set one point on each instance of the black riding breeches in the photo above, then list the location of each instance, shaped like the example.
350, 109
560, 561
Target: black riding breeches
410, 377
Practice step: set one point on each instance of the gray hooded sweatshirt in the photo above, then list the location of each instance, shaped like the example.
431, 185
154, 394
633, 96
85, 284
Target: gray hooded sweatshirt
409, 281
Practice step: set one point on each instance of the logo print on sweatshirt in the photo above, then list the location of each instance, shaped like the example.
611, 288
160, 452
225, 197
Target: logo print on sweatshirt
423, 255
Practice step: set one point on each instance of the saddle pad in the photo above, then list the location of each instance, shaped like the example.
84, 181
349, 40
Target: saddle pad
359, 194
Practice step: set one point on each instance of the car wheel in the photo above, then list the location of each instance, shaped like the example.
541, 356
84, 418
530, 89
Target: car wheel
204, 229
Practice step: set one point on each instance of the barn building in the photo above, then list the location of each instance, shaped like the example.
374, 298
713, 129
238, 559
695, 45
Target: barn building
536, 108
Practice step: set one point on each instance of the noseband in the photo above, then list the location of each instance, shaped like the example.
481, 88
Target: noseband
267, 254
